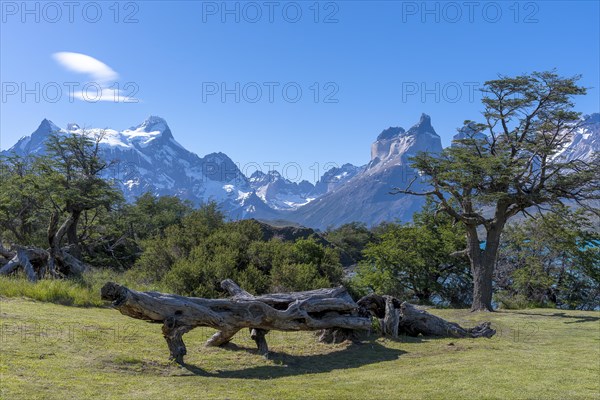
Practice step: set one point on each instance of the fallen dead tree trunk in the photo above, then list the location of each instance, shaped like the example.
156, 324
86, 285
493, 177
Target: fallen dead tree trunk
37, 262
23, 257
320, 309
282, 300
404, 318
414, 322
57, 261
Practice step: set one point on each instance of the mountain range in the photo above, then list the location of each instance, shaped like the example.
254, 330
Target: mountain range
147, 158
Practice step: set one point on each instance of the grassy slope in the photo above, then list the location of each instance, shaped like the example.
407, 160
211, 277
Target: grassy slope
53, 351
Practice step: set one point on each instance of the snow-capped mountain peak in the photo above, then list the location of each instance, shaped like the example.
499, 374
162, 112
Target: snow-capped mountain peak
139, 136
152, 124
279, 192
148, 131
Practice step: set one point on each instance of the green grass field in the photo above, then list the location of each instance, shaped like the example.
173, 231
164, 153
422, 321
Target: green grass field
51, 351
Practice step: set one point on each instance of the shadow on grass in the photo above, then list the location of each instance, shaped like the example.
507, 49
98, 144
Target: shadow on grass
577, 318
353, 356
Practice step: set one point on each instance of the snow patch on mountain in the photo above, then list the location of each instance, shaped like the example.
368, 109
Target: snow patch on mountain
335, 177
585, 142
280, 193
146, 158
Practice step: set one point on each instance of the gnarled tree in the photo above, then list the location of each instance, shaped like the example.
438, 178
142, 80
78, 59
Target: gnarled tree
75, 167
59, 188
509, 164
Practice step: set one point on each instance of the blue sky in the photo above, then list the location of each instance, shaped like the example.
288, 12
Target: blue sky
361, 67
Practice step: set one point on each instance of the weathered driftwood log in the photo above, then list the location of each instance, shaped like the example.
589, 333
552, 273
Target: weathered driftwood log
310, 310
23, 257
386, 309
414, 322
282, 300
37, 262
404, 318
56, 261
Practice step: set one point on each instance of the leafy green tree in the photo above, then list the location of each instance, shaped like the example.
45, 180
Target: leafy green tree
310, 257
527, 120
150, 215
22, 205
415, 260
176, 241
220, 255
297, 277
351, 238
554, 260
236, 250
74, 184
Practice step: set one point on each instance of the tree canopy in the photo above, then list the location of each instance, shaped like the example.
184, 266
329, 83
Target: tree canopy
509, 164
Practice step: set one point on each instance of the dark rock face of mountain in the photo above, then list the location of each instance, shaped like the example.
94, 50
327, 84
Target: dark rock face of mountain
335, 177
289, 233
366, 196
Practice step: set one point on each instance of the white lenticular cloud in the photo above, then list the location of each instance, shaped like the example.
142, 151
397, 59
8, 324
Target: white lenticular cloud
84, 64
102, 79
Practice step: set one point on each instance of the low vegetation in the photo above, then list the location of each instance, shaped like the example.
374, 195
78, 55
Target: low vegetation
53, 351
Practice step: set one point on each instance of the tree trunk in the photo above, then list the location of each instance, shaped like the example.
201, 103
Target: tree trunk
483, 263
311, 310
482, 285
413, 321
392, 318
71, 262
72, 238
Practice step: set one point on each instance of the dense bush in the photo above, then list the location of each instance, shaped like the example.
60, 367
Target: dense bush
551, 261
194, 257
352, 238
414, 261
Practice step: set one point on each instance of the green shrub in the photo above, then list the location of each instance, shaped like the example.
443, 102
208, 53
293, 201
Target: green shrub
296, 277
